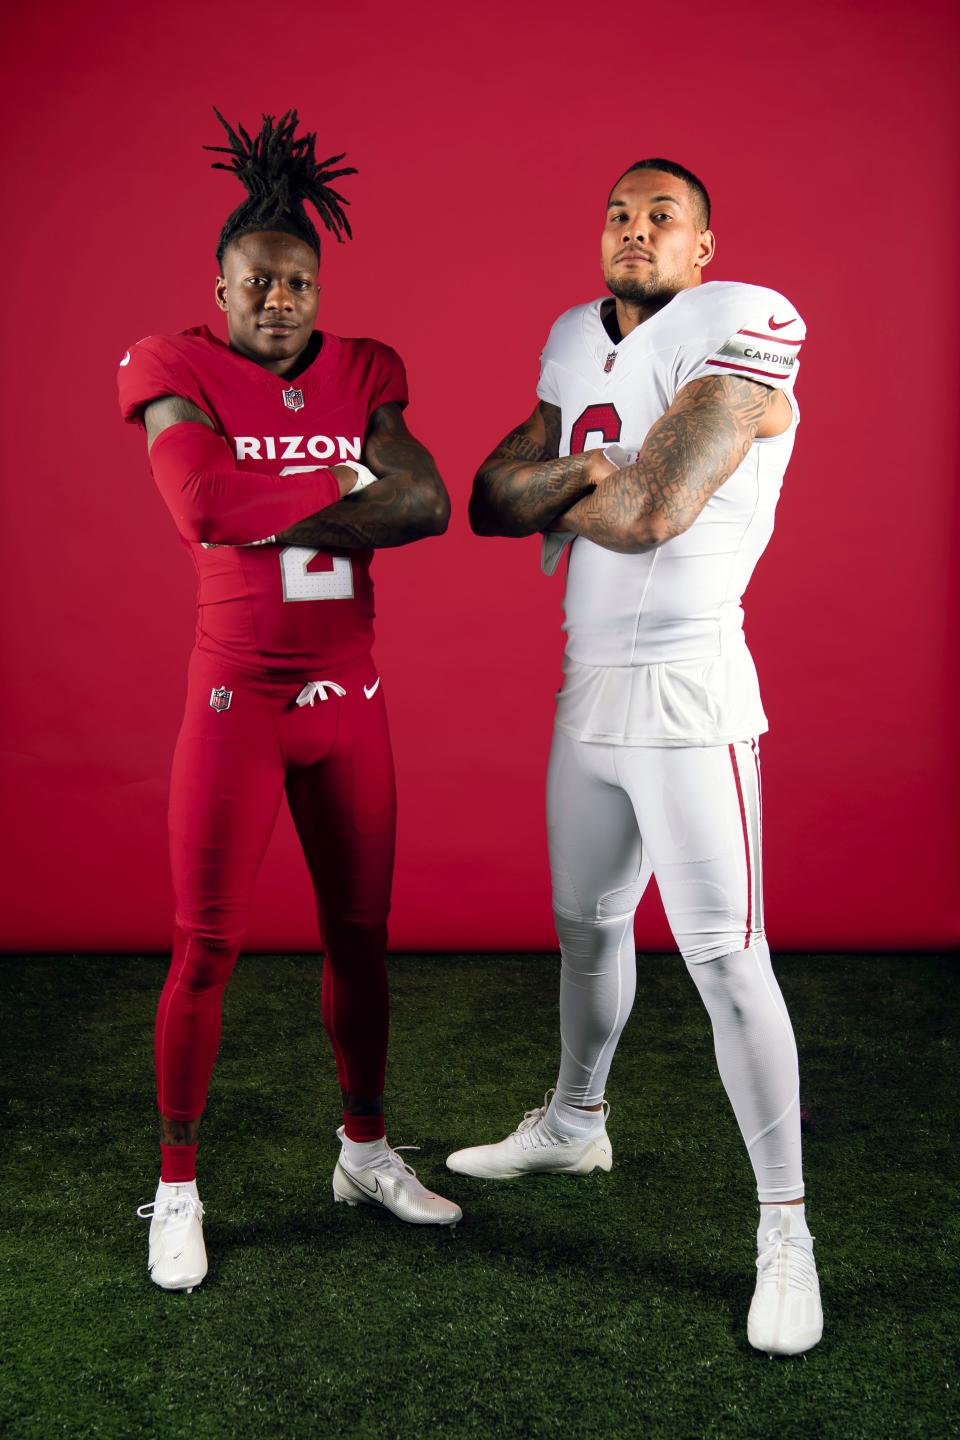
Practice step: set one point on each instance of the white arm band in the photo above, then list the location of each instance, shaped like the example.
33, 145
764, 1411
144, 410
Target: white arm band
365, 477
618, 456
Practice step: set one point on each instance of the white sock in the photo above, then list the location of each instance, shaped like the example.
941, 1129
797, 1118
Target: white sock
572, 1122
770, 1220
358, 1153
166, 1190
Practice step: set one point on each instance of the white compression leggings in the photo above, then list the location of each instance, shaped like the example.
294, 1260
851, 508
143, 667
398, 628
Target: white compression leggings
616, 815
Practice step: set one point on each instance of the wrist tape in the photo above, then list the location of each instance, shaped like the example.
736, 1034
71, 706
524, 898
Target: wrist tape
365, 477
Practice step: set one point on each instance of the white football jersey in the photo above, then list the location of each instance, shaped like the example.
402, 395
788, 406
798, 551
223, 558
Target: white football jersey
679, 601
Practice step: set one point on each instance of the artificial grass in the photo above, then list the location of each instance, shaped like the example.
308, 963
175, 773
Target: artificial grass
602, 1306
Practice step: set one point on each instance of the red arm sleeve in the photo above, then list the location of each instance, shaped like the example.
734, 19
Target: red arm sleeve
212, 500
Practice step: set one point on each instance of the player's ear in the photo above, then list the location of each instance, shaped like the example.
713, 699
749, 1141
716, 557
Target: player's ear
220, 292
706, 245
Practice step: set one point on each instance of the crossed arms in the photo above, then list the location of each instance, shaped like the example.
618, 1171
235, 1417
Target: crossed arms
408, 502
696, 445
524, 486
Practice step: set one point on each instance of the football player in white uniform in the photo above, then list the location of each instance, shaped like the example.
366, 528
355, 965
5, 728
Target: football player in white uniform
664, 424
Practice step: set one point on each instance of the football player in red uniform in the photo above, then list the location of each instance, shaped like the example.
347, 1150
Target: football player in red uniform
285, 460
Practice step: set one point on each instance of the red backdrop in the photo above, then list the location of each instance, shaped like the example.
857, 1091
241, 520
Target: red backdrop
486, 141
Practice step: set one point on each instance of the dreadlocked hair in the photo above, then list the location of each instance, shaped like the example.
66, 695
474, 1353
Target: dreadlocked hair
279, 172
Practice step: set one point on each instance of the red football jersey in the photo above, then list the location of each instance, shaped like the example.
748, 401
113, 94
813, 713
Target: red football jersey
283, 608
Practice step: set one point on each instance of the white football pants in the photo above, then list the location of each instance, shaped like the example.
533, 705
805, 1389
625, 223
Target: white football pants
692, 817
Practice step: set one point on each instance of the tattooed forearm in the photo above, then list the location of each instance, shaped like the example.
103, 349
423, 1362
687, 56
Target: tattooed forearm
523, 486
408, 502
687, 455
383, 515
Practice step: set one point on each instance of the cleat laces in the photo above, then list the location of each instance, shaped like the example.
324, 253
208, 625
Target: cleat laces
179, 1208
786, 1263
392, 1161
532, 1132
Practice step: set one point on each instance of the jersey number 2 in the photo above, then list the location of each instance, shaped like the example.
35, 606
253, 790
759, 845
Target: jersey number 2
295, 561
597, 420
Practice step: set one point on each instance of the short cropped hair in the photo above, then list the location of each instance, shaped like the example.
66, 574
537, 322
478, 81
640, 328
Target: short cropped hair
670, 167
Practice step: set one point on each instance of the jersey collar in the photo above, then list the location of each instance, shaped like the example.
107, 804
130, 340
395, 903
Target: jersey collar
603, 350
316, 376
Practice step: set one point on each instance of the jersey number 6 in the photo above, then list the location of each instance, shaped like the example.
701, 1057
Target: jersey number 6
600, 420
299, 583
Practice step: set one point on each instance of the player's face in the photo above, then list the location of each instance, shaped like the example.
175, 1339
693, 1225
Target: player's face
270, 294
652, 245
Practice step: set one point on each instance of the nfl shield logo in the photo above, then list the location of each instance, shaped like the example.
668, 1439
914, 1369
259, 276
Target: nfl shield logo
608, 364
293, 399
220, 698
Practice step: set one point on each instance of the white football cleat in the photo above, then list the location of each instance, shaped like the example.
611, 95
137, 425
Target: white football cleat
391, 1183
535, 1149
785, 1317
177, 1258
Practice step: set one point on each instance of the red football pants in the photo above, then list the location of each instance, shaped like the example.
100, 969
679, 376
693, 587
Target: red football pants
231, 766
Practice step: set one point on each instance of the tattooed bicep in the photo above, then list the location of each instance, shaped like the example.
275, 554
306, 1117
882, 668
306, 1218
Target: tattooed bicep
169, 410
695, 446
388, 445
727, 401
386, 423
552, 425
536, 438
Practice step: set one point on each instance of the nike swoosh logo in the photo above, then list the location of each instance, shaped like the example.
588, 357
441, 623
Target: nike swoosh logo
375, 1192
780, 324
373, 689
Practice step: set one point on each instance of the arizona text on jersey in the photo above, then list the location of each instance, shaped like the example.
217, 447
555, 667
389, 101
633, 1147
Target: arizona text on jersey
280, 608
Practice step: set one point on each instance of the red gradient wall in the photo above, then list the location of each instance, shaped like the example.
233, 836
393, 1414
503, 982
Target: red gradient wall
486, 141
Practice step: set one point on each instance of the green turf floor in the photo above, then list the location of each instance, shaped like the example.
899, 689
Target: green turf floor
605, 1306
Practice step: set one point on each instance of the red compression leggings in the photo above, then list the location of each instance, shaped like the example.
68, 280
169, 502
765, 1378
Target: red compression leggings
231, 767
